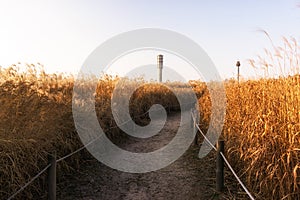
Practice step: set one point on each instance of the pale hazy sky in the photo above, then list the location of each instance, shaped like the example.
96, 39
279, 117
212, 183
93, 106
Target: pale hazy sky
61, 34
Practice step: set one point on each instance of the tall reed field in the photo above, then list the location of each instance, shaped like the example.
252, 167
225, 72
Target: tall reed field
36, 119
261, 130
262, 125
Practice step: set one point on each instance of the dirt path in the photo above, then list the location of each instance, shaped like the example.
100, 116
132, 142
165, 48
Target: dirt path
187, 178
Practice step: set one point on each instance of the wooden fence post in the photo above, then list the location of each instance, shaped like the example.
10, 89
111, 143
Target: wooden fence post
195, 131
196, 135
220, 167
52, 177
193, 125
192, 120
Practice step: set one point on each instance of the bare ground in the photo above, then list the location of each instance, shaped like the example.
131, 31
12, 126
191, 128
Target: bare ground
187, 178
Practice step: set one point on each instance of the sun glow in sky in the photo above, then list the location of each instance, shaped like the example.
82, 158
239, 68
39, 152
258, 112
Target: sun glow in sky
61, 34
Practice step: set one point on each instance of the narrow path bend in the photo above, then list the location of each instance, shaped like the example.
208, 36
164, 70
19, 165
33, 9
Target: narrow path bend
187, 178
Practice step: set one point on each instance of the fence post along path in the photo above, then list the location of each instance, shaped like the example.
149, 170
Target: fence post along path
220, 165
52, 176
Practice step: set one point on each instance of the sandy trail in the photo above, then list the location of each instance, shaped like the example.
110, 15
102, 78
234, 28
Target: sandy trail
187, 178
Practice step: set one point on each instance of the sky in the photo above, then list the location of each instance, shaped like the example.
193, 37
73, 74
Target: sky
62, 34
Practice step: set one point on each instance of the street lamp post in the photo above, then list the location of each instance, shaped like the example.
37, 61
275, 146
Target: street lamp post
238, 64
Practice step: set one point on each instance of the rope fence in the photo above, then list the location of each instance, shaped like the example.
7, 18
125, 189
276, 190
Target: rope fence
223, 156
65, 157
48, 167
76, 151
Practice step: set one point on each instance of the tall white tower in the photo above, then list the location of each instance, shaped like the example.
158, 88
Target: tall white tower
159, 67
